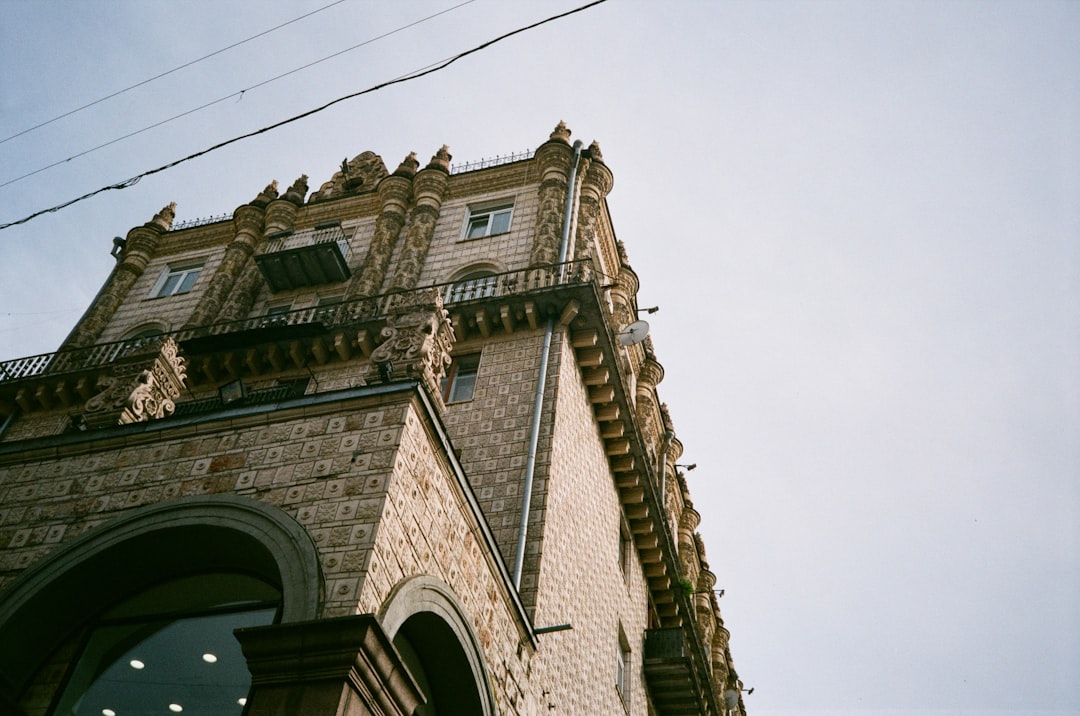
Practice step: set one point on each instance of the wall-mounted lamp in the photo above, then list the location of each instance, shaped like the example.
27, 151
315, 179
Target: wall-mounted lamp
232, 392
653, 309
688, 468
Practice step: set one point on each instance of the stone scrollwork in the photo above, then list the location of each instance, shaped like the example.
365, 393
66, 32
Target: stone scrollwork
417, 341
139, 390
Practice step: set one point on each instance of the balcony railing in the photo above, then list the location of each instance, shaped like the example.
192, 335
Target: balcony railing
506, 285
305, 258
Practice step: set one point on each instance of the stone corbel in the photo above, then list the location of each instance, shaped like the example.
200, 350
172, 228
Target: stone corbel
417, 341
139, 390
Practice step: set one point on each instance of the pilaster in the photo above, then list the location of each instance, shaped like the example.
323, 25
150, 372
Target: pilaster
332, 667
394, 194
139, 249
553, 158
248, 221
429, 188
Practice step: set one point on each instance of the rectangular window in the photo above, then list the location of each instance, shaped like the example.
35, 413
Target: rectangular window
626, 551
460, 379
489, 221
622, 668
176, 280
327, 308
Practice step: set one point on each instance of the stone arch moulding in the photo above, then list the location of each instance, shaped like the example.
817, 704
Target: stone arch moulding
146, 330
424, 594
140, 548
492, 267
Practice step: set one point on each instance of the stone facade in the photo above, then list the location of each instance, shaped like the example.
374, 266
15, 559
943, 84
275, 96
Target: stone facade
328, 412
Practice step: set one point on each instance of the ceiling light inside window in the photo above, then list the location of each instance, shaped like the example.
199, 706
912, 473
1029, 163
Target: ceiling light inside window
209, 658
136, 664
176, 708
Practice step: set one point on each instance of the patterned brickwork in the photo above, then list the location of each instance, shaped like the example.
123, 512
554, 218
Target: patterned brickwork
491, 431
368, 484
581, 580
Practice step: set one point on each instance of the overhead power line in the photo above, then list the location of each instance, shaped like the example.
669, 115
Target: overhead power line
163, 74
238, 93
374, 88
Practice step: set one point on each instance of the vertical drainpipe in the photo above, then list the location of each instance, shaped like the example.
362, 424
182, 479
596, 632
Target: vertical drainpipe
538, 401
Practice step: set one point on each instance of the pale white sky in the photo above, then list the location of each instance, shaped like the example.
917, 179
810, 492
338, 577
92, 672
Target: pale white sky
859, 219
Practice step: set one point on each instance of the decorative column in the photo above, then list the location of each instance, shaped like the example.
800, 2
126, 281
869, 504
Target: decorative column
138, 250
394, 192
332, 667
248, 221
554, 158
429, 188
280, 216
595, 185
416, 341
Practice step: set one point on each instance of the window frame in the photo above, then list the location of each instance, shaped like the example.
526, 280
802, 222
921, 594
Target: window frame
623, 663
450, 384
488, 212
182, 271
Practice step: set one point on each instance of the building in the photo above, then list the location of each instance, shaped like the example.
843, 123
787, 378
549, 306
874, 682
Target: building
398, 436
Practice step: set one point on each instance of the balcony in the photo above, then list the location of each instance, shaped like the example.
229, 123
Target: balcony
305, 258
670, 675
263, 345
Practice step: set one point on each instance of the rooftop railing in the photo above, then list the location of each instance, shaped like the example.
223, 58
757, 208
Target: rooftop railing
497, 160
360, 310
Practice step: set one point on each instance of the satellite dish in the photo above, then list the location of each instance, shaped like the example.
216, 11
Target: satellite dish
634, 333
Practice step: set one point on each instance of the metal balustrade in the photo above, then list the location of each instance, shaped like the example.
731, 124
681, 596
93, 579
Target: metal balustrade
504, 285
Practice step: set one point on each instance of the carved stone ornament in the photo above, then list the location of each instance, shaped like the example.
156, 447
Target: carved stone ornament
417, 340
361, 173
139, 390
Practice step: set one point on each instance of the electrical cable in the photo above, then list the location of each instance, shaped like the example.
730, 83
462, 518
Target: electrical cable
404, 78
239, 93
167, 72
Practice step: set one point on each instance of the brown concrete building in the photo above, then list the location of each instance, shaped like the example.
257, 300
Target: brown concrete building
390, 447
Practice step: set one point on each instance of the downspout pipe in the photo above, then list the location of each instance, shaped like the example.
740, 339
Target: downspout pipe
538, 400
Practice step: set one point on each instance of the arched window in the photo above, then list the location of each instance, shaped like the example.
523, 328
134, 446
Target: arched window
475, 284
430, 630
170, 648
154, 586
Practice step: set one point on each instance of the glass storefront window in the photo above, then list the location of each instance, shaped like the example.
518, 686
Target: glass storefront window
171, 650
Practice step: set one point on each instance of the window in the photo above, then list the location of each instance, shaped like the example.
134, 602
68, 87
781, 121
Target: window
626, 551
478, 284
275, 315
176, 280
488, 222
460, 378
622, 668
327, 308
172, 645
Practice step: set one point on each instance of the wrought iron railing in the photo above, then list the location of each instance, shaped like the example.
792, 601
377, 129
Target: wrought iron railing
309, 237
360, 310
201, 221
497, 160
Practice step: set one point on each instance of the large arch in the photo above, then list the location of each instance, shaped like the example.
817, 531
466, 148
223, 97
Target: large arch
146, 546
428, 624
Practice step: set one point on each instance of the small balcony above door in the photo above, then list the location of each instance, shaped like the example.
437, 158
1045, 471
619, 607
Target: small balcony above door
305, 258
